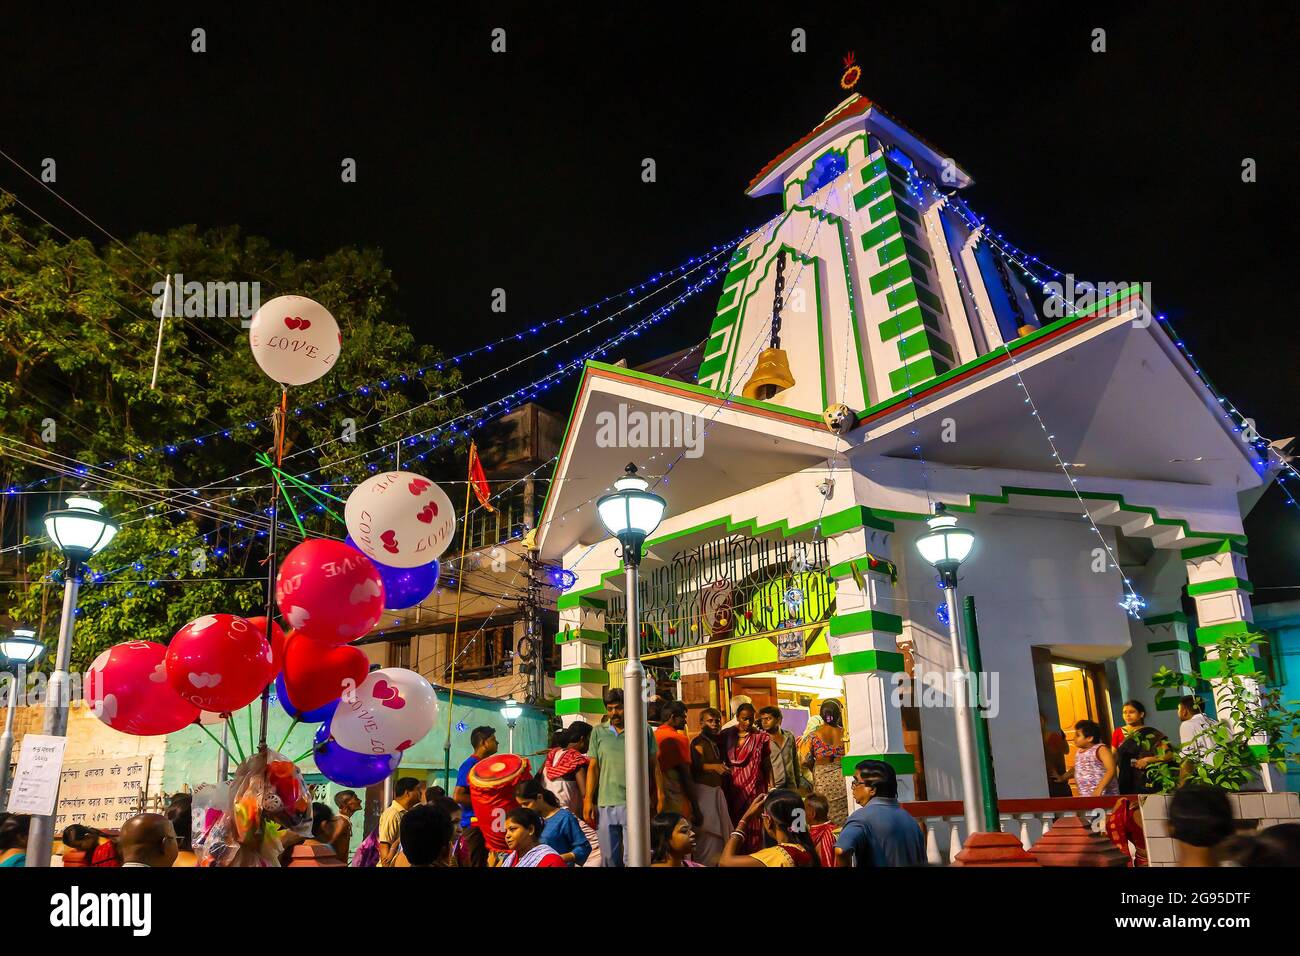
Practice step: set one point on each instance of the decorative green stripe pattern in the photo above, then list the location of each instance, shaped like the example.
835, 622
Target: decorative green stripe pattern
1213, 633
581, 675
906, 320
1156, 647
1019, 344
859, 622
567, 602
916, 373
1220, 584
579, 705
845, 568
591, 637
903, 763
860, 662
1173, 617
1245, 668
1215, 547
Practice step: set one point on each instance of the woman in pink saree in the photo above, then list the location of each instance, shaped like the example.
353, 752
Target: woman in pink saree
747, 752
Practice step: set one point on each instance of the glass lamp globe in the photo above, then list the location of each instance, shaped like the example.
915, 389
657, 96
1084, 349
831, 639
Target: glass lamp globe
511, 710
631, 512
82, 529
21, 648
945, 546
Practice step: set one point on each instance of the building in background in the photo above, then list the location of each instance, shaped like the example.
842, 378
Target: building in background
495, 656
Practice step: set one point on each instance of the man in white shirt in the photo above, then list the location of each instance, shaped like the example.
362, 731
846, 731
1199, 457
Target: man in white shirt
1196, 730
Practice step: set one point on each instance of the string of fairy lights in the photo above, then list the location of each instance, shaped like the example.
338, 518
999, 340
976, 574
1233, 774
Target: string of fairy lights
655, 283
1133, 603
499, 406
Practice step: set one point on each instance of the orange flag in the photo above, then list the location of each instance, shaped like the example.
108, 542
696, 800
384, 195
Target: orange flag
477, 479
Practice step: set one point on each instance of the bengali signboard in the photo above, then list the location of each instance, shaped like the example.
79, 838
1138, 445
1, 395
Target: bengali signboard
101, 793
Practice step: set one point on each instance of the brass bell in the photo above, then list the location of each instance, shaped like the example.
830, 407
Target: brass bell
771, 376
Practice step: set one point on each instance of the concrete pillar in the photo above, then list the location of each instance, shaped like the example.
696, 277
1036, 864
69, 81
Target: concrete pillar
864, 651
582, 677
1217, 582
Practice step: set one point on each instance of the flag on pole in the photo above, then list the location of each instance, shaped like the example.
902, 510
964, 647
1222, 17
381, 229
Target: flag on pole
477, 480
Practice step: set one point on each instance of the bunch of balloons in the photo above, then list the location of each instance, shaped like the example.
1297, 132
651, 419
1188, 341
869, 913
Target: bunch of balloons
329, 593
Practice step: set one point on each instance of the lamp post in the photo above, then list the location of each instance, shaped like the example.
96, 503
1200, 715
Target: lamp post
80, 531
511, 711
631, 514
946, 546
19, 651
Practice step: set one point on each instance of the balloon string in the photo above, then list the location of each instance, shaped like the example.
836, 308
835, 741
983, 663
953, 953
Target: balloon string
284, 414
234, 735
280, 749
305, 755
311, 491
203, 727
249, 710
292, 510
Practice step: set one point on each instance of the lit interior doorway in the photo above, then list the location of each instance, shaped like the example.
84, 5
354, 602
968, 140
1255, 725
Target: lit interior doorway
1080, 695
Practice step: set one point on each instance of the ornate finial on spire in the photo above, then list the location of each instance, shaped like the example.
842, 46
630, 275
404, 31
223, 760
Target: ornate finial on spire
852, 72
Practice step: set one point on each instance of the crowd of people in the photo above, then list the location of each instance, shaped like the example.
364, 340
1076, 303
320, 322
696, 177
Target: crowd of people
744, 793
740, 793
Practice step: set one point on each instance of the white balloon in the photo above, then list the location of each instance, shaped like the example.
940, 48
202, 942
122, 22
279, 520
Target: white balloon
400, 519
392, 709
294, 340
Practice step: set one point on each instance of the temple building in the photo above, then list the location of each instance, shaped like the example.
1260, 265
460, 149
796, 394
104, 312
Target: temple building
876, 353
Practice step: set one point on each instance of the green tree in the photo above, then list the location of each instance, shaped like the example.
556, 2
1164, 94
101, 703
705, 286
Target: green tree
1255, 727
78, 329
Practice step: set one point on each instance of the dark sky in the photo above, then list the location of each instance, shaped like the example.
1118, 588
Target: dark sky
522, 170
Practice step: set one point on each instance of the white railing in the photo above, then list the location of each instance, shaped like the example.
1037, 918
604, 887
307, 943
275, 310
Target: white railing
944, 821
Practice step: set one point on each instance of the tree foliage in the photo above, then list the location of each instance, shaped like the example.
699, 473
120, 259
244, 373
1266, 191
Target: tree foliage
78, 329
1255, 728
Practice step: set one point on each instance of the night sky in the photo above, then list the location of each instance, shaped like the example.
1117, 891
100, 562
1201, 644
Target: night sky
522, 170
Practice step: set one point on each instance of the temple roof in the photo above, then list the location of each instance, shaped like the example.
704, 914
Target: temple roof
857, 109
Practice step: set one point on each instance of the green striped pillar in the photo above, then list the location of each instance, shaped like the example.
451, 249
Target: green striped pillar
864, 651
582, 676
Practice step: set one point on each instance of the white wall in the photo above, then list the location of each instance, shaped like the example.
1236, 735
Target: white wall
1033, 584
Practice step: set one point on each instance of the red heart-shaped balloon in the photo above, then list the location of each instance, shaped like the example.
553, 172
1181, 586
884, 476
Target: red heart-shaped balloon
316, 673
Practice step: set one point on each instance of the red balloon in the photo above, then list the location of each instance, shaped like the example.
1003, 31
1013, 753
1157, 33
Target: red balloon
127, 688
277, 640
329, 592
315, 673
219, 662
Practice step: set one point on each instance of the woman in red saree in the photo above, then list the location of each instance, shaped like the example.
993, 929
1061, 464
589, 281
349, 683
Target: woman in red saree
747, 752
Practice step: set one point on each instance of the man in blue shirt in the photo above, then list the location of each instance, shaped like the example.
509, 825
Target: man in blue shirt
484, 740
879, 832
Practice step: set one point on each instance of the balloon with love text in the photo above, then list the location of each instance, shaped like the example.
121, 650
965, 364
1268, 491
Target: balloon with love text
219, 662
329, 591
400, 519
294, 340
389, 711
127, 688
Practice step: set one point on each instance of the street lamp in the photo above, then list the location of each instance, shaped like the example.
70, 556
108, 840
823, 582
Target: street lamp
946, 546
631, 514
80, 531
19, 651
511, 711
